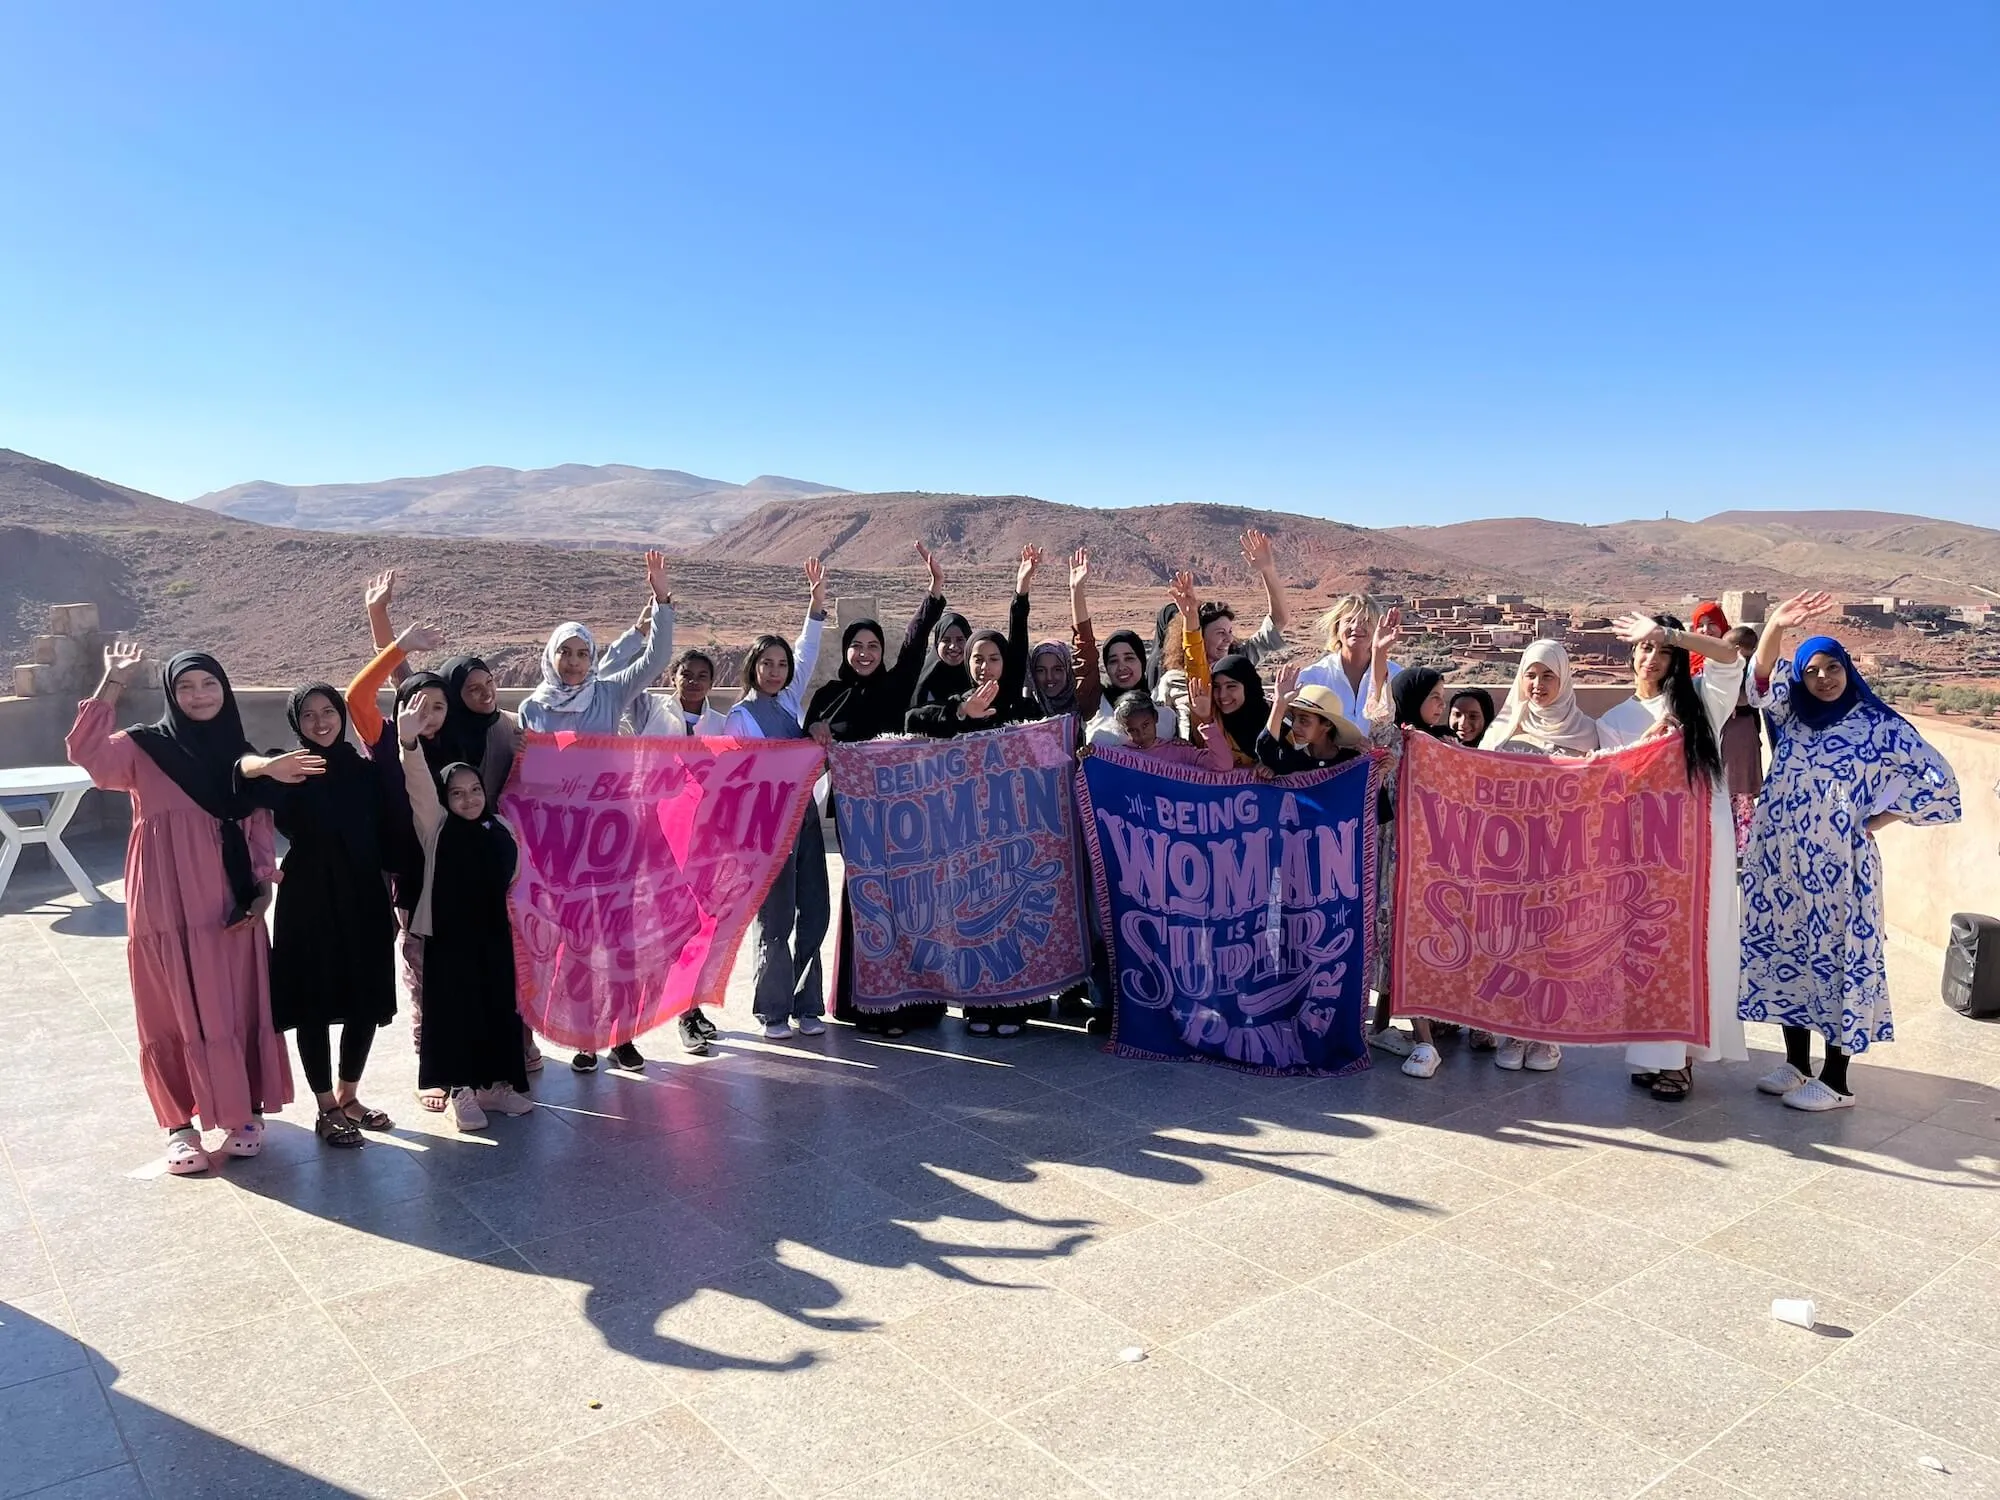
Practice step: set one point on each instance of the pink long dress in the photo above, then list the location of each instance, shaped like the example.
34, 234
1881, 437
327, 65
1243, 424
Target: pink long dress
202, 992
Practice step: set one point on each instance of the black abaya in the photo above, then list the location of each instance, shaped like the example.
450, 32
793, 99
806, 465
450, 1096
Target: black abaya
472, 1031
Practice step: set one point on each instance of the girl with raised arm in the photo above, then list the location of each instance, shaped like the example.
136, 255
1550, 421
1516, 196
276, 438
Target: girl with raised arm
999, 670
1667, 693
472, 1029
334, 931
575, 696
785, 982
398, 833
1348, 668
867, 700
198, 873
1306, 729
1844, 766
579, 695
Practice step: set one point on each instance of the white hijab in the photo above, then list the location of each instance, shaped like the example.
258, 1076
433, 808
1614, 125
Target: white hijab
557, 696
1562, 727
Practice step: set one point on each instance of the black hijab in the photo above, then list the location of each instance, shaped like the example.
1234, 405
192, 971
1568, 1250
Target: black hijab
475, 865
1411, 687
1130, 638
464, 732
1242, 726
941, 680
200, 758
854, 707
345, 800
437, 753
1480, 696
1163, 622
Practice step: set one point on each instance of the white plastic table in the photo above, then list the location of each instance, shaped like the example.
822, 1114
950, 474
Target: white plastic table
64, 786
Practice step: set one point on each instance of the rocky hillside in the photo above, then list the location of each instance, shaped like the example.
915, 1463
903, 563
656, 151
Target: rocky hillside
580, 504
1860, 552
1136, 547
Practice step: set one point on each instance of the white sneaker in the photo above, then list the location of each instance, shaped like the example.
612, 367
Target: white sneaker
1423, 1062
184, 1154
1780, 1080
1510, 1054
246, 1139
505, 1098
1392, 1041
465, 1111
777, 1031
1816, 1096
811, 1026
1542, 1057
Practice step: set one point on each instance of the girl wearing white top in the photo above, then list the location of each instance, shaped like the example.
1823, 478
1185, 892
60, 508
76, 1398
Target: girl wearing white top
1668, 694
787, 988
1542, 717
1349, 664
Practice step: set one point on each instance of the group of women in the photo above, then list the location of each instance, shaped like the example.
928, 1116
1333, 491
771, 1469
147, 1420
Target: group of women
396, 856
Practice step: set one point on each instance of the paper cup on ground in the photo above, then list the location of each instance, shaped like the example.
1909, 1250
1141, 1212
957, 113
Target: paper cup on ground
1802, 1312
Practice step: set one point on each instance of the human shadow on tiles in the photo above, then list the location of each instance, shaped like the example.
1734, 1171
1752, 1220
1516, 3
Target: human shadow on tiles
837, 1187
64, 1421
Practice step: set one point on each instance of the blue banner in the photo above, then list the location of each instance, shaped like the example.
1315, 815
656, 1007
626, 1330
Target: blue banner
1240, 911
961, 859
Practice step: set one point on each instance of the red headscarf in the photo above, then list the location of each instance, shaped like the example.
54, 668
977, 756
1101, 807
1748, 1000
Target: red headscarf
1707, 610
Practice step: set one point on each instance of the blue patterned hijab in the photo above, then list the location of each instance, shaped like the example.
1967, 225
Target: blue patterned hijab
1813, 712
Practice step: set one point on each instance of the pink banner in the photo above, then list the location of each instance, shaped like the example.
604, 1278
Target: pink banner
1552, 901
642, 863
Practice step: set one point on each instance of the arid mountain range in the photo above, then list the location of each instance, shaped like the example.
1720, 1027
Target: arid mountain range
607, 505
281, 604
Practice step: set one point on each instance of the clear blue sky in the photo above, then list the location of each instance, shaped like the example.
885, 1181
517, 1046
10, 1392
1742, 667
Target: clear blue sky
1391, 263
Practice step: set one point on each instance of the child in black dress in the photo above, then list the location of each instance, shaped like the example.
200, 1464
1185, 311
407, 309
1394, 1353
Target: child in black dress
472, 1037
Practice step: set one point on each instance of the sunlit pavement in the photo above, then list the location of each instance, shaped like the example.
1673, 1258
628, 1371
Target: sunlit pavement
950, 1267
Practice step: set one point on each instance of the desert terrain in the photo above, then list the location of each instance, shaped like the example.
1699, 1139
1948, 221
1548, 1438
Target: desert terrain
280, 603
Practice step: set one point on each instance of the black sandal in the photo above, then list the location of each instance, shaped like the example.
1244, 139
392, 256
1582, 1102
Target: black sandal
336, 1129
1644, 1080
368, 1119
1673, 1085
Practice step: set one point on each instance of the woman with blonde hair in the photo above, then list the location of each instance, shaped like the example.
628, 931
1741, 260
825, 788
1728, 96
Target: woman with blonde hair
1348, 667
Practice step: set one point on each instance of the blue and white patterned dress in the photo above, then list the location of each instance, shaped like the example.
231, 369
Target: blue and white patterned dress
1812, 879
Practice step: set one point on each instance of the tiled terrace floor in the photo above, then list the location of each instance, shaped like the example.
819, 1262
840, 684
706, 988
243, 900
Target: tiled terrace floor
910, 1269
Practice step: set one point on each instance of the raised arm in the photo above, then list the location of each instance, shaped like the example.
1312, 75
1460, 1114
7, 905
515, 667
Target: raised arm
910, 656
379, 594
1215, 752
630, 645
1283, 691
363, 710
1084, 663
94, 744
805, 650
1790, 614
1014, 671
1257, 552
628, 682
1194, 647
426, 810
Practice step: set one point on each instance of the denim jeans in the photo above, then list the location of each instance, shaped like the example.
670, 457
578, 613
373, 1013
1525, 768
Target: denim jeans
790, 926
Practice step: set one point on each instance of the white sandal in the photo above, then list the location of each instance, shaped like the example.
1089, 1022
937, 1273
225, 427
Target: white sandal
246, 1139
184, 1154
1817, 1097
